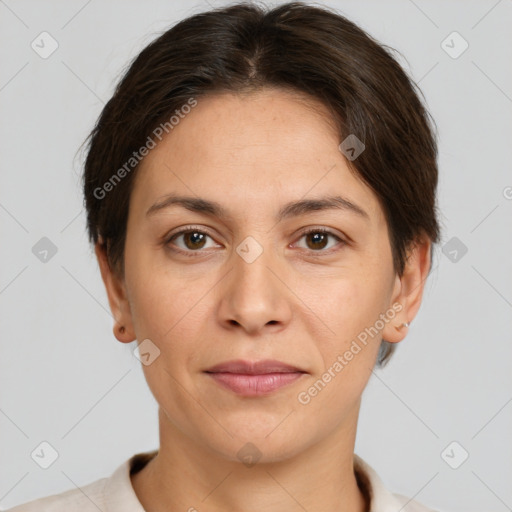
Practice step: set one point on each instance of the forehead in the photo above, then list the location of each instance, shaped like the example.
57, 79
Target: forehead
266, 147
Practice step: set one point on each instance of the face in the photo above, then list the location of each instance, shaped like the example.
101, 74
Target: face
239, 272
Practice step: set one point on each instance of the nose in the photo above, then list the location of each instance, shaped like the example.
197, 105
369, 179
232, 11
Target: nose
254, 296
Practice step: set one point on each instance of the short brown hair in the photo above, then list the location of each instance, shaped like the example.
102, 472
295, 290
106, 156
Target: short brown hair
296, 46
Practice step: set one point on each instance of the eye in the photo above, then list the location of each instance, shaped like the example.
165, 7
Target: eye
317, 239
191, 240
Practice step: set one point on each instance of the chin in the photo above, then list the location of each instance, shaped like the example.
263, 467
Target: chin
259, 451
263, 441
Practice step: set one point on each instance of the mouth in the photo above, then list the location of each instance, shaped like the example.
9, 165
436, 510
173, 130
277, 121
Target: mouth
254, 378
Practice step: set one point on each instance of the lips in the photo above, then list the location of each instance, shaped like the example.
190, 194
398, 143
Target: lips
253, 368
254, 378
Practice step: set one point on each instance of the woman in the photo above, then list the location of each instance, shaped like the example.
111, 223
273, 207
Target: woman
260, 192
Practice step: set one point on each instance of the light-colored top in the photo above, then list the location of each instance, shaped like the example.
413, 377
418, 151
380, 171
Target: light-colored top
116, 494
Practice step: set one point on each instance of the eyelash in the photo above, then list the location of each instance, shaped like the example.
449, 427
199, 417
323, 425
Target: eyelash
193, 229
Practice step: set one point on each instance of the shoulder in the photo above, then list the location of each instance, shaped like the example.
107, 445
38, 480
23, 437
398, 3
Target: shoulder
88, 498
114, 493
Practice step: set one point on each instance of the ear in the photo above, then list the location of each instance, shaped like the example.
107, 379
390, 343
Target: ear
408, 290
117, 298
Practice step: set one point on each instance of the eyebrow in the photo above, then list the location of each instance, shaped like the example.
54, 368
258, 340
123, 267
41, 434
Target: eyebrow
292, 209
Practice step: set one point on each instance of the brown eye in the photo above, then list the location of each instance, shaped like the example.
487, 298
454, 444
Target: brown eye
191, 240
317, 240
194, 240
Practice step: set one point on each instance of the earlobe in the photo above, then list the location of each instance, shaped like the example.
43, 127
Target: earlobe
119, 305
409, 291
122, 334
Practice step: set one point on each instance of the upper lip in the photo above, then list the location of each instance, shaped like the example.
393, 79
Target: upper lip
253, 367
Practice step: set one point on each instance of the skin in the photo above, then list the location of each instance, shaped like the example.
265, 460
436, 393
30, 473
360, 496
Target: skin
298, 302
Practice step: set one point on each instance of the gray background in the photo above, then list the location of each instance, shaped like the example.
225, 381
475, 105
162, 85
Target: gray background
64, 378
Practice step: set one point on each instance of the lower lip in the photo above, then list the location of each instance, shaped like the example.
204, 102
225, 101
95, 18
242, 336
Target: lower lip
255, 385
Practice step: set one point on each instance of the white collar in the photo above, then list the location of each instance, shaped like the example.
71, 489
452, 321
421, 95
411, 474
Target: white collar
119, 495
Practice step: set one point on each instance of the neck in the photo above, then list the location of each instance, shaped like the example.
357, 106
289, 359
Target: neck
183, 476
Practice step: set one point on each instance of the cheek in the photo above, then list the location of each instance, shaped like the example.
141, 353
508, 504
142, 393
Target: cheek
358, 345
347, 304
161, 296
350, 306
167, 311
172, 310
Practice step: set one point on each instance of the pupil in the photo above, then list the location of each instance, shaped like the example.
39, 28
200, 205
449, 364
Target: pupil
319, 240
192, 239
